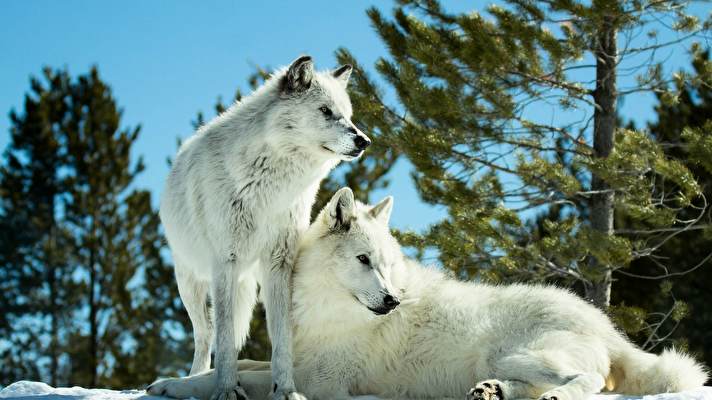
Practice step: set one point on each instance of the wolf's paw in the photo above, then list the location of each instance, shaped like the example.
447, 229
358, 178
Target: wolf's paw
552, 395
287, 395
196, 386
486, 390
159, 387
236, 393
171, 387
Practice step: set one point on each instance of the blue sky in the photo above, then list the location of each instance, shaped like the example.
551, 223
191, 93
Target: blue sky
165, 60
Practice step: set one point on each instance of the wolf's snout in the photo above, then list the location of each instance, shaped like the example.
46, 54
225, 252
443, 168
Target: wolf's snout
361, 142
390, 302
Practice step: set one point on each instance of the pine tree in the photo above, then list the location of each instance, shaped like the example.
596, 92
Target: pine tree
514, 111
112, 225
94, 294
98, 156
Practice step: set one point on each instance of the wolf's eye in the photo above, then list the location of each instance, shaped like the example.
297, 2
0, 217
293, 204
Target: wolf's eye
326, 111
364, 259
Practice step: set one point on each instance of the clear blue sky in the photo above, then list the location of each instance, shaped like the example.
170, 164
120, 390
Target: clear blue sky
165, 60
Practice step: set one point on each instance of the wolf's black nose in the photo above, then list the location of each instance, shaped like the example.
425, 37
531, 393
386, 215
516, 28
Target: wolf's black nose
390, 301
361, 142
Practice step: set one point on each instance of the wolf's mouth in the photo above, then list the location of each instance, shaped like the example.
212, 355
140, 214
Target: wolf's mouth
354, 153
380, 311
377, 311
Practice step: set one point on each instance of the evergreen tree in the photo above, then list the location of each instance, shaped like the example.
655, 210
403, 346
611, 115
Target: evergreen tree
93, 290
114, 231
514, 111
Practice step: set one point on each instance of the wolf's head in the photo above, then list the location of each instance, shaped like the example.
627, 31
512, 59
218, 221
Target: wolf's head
350, 258
312, 111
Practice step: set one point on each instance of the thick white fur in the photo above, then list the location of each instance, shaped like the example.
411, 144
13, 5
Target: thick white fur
510, 341
238, 197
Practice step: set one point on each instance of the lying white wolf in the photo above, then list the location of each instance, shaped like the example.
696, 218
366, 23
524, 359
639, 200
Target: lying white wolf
352, 337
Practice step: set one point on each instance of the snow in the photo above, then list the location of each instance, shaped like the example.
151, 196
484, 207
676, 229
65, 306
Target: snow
38, 390
41, 391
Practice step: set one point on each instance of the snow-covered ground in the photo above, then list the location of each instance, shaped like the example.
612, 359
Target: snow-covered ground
41, 391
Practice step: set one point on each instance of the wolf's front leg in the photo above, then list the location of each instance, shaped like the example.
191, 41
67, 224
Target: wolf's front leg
277, 298
225, 299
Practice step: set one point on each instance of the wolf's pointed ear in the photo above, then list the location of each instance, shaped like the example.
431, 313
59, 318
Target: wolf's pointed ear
341, 209
343, 73
382, 210
299, 75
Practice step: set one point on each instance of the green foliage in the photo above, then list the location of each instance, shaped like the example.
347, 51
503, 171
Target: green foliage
631, 319
634, 167
699, 145
681, 261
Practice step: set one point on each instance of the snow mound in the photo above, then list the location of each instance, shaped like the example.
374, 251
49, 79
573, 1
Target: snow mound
41, 391
32, 390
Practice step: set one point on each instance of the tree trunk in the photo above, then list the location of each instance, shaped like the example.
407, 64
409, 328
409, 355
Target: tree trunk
93, 328
602, 206
52, 282
50, 261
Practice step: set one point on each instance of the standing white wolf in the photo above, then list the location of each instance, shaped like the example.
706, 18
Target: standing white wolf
352, 337
238, 196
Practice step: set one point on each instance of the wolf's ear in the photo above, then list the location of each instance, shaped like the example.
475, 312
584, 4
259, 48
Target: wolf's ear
343, 73
382, 210
341, 209
299, 75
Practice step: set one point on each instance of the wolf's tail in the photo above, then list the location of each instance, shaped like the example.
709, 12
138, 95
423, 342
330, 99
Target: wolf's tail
635, 372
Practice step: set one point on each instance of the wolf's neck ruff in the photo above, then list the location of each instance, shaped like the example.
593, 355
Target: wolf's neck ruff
274, 179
